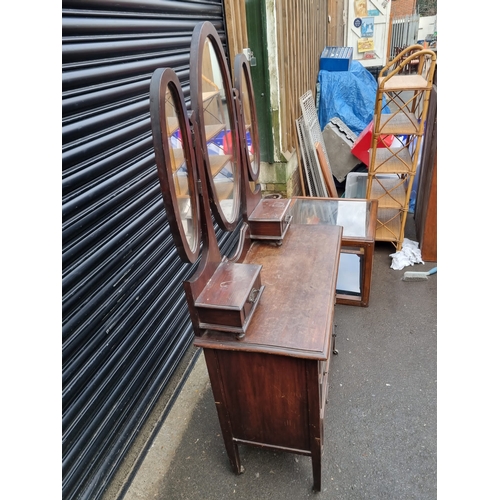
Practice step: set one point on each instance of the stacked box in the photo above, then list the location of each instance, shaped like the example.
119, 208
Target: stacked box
336, 58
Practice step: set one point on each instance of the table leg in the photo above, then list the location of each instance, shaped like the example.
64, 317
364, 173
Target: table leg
367, 273
316, 464
224, 421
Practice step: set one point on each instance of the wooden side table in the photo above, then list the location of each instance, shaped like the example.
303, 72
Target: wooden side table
270, 387
358, 218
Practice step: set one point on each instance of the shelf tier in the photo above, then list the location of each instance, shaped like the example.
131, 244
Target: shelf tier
181, 186
224, 188
392, 161
208, 95
179, 160
225, 191
404, 82
390, 192
212, 131
218, 162
173, 124
401, 123
388, 225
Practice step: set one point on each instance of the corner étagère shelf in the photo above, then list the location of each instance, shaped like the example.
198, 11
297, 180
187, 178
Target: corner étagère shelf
404, 86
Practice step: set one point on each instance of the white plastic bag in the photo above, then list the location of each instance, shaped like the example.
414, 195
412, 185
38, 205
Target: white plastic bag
408, 255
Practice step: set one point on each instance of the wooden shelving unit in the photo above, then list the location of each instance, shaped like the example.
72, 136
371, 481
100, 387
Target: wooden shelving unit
407, 97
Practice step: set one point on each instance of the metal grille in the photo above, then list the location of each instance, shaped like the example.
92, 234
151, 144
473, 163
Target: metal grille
404, 33
311, 135
310, 160
125, 320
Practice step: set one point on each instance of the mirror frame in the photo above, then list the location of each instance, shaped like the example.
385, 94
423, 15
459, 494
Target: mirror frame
161, 80
206, 31
242, 75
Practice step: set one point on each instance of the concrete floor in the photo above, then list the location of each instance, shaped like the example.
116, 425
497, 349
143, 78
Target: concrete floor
380, 424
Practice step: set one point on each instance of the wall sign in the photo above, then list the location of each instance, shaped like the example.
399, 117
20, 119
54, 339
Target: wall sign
365, 44
360, 8
367, 27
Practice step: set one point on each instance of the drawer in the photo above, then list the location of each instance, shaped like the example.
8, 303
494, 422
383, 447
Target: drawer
270, 219
228, 301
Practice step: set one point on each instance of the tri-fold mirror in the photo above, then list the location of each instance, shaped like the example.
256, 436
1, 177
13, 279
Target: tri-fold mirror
208, 164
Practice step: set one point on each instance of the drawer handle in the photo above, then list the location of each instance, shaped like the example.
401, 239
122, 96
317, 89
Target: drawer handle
253, 295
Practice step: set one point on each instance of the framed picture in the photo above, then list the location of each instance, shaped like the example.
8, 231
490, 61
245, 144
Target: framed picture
367, 27
360, 8
365, 44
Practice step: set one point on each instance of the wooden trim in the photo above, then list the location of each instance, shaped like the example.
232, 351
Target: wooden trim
327, 174
236, 25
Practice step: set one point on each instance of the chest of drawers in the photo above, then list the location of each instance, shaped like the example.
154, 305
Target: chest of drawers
270, 387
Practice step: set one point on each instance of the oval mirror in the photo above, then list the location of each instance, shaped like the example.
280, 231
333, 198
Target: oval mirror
249, 129
213, 110
174, 156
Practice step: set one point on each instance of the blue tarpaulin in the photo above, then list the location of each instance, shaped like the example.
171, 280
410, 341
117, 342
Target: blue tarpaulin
348, 95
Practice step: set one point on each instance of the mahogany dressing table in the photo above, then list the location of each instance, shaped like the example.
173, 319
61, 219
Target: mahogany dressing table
269, 339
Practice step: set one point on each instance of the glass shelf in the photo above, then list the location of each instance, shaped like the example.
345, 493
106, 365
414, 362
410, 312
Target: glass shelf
353, 215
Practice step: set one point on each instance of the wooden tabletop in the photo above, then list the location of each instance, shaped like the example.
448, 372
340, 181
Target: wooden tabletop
295, 314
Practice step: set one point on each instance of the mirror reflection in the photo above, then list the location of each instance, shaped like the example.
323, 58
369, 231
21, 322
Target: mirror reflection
249, 132
179, 169
221, 153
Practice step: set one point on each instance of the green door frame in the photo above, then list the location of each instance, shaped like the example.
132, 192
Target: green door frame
257, 40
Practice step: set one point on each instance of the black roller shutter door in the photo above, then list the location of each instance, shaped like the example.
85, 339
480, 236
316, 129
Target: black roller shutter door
125, 320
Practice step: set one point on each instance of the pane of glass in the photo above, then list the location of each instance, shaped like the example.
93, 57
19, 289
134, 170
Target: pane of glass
349, 274
218, 132
353, 215
179, 171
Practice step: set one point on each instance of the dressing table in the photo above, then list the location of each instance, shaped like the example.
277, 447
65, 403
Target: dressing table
269, 340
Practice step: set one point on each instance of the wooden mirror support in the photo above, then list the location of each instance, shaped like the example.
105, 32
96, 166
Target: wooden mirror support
327, 173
